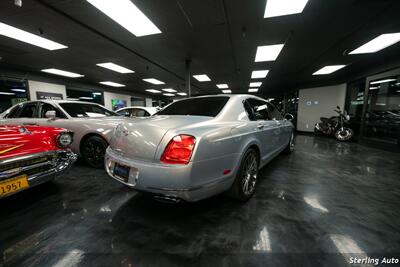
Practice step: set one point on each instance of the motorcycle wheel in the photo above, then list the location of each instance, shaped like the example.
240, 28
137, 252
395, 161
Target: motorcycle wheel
316, 131
344, 134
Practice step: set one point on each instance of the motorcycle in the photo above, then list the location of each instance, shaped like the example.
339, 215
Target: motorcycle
336, 126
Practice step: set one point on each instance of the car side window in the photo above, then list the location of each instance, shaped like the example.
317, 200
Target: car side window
48, 107
124, 112
29, 110
258, 108
274, 113
138, 112
14, 112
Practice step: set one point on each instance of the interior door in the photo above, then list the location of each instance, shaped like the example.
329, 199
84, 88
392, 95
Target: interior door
266, 129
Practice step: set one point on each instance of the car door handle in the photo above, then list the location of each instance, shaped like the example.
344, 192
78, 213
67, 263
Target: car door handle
29, 123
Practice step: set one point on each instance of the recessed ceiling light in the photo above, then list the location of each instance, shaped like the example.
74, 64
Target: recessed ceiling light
202, 78
383, 81
253, 90
18, 90
126, 14
153, 91
115, 67
182, 94
377, 44
256, 84
6, 93
113, 84
275, 8
168, 94
222, 86
329, 69
268, 52
63, 73
29, 38
374, 88
86, 98
153, 81
227, 91
169, 90
258, 74
96, 93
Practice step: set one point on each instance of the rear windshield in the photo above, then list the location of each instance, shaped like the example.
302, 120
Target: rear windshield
78, 110
202, 106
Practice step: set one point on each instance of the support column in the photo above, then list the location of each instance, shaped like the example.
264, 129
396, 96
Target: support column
187, 68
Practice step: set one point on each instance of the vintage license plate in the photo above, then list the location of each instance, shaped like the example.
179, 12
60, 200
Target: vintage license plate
122, 172
13, 185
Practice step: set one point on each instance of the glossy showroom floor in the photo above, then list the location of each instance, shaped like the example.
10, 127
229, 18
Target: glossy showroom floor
310, 209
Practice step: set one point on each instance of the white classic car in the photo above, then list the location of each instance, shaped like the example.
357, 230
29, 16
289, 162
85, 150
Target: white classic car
91, 123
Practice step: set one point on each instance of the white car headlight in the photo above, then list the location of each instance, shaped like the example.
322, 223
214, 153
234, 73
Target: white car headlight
64, 139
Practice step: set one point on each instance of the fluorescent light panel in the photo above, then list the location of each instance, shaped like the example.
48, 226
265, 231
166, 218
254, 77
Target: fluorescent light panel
253, 90
258, 74
63, 73
329, 69
126, 14
153, 81
182, 94
268, 52
377, 44
256, 84
275, 8
115, 67
202, 78
169, 90
113, 84
153, 91
227, 91
168, 94
18, 90
222, 86
6, 93
29, 38
383, 81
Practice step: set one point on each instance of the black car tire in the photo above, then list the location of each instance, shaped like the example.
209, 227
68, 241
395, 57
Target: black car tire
290, 146
93, 151
247, 173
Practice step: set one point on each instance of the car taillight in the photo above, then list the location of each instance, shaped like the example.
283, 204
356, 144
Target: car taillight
179, 150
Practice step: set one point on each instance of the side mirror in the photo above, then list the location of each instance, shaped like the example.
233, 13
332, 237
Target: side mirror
289, 116
51, 114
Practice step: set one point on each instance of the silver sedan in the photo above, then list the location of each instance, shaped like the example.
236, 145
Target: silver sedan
199, 147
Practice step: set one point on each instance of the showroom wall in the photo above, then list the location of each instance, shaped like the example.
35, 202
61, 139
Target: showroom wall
318, 102
109, 97
51, 90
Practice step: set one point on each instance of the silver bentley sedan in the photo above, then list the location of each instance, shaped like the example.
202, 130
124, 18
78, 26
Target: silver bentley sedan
199, 147
91, 123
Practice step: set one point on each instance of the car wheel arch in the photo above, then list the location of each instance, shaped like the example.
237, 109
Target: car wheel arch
86, 137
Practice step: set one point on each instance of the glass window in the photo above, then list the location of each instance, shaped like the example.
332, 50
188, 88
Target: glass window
138, 112
124, 112
382, 117
29, 110
274, 113
14, 111
81, 110
48, 107
202, 106
259, 108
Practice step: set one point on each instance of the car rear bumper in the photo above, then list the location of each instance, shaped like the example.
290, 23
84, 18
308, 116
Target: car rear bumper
38, 168
171, 183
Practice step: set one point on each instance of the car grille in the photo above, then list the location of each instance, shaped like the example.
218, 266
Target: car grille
44, 163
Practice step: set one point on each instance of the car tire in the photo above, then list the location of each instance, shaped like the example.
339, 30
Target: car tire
290, 146
93, 150
245, 182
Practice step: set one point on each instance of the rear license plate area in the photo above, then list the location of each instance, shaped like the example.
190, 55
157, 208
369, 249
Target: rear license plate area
121, 172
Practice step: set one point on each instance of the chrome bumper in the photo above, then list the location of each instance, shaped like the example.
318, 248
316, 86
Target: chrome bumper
39, 167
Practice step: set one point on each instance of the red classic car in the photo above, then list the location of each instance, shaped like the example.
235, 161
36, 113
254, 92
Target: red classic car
32, 155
